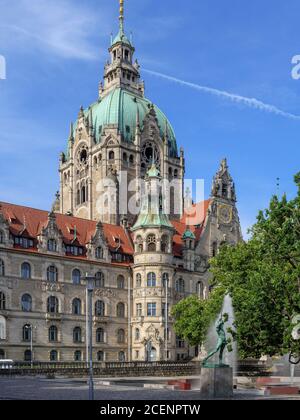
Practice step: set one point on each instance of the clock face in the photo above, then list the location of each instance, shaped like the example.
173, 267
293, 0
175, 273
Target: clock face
225, 214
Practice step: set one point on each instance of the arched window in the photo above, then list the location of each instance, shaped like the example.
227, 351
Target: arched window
125, 157
180, 286
77, 356
120, 282
52, 274
137, 334
100, 335
131, 159
120, 310
52, 245
27, 356
27, 331
165, 280
100, 356
53, 334
176, 173
111, 155
77, 337
99, 253
151, 280
26, 271
151, 243
53, 356
26, 303
83, 194
100, 281
2, 301
138, 281
2, 328
139, 244
52, 305
165, 243
78, 197
76, 276
200, 289
2, 268
76, 307
2, 354
100, 308
121, 336
1, 237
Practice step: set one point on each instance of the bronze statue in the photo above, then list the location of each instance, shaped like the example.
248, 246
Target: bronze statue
221, 344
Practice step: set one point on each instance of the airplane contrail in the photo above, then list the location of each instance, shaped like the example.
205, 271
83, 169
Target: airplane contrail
250, 102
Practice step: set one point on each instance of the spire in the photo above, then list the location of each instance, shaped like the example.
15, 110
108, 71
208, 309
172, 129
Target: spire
223, 185
121, 18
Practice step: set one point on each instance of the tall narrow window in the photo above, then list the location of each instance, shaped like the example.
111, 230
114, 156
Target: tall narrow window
180, 286
121, 336
26, 271
100, 335
52, 245
27, 356
100, 356
99, 253
76, 277
120, 282
165, 280
77, 338
52, 274
138, 281
121, 310
53, 334
99, 308
76, 307
2, 301
200, 289
100, 281
27, 332
26, 303
1, 237
151, 280
2, 328
52, 305
137, 335
151, 243
151, 309
122, 357
53, 356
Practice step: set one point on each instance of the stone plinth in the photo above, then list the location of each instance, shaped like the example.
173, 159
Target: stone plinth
216, 382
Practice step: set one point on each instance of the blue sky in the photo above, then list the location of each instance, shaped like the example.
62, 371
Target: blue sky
55, 52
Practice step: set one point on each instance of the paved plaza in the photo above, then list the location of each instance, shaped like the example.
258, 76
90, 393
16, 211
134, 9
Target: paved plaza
77, 389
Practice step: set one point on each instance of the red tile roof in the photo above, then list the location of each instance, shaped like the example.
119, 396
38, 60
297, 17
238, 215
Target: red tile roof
21, 218
29, 222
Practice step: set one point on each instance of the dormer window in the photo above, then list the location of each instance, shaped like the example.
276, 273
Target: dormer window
74, 250
23, 242
52, 245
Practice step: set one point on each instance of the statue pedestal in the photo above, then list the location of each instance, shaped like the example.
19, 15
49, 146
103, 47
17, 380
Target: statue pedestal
216, 382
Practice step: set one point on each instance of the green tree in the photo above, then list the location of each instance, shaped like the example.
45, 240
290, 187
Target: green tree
263, 278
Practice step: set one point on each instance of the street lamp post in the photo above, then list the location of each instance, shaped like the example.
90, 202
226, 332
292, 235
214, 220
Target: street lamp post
90, 285
30, 328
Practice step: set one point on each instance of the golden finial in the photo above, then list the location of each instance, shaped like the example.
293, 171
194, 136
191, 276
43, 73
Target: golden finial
121, 15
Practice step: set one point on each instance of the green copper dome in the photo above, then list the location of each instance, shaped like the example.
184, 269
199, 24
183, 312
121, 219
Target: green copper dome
120, 107
188, 234
121, 37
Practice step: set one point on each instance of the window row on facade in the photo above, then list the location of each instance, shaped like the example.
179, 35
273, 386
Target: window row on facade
54, 356
52, 275
53, 306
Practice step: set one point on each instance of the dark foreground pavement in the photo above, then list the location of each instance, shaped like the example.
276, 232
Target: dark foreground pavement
72, 389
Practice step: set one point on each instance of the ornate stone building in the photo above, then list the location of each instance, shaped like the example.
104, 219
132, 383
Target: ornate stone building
143, 263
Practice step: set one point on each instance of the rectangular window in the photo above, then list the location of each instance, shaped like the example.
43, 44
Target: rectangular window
139, 309
151, 309
180, 344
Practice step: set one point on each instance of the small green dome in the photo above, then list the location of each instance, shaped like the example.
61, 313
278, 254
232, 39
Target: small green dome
188, 234
121, 37
119, 108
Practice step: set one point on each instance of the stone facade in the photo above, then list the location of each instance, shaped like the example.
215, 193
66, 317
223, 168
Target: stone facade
143, 264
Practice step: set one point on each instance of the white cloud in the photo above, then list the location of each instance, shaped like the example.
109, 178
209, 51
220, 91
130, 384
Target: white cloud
61, 27
249, 102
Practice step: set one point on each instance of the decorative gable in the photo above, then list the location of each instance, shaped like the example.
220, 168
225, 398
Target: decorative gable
97, 248
51, 238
